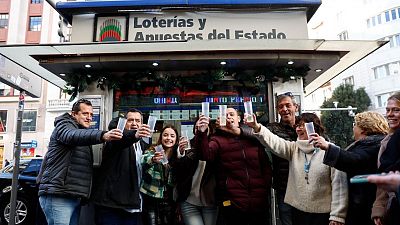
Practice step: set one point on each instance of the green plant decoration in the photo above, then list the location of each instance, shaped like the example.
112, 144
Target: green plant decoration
80, 80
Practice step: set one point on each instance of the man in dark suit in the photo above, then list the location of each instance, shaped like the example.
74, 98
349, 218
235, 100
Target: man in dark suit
116, 191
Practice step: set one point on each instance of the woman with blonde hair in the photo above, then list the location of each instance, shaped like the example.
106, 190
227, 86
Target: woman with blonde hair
360, 157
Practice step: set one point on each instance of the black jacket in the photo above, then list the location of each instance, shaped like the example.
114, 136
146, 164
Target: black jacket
68, 165
280, 172
390, 158
116, 182
359, 158
184, 169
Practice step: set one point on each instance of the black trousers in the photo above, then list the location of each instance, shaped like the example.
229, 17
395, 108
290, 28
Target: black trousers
305, 218
234, 216
158, 211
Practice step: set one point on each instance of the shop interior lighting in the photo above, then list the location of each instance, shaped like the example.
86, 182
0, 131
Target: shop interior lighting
62, 74
88, 66
290, 62
318, 70
223, 63
155, 64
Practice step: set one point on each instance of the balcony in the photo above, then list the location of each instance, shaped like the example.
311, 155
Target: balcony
55, 105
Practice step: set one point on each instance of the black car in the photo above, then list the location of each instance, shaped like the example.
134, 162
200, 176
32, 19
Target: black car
27, 197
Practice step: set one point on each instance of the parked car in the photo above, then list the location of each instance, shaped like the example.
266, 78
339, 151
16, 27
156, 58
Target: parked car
27, 197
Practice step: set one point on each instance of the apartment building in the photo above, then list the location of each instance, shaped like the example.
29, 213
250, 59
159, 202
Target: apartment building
27, 22
379, 72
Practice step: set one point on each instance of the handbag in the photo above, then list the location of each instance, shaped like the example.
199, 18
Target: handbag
392, 213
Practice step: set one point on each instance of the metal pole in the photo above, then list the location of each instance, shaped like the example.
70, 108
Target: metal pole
17, 154
330, 109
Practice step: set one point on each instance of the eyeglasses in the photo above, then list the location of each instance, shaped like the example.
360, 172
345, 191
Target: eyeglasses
290, 94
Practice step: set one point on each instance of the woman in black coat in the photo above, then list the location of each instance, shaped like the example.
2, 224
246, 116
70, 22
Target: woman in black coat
360, 157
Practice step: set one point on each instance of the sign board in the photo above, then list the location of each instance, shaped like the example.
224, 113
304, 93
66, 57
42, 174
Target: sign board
18, 77
32, 144
180, 26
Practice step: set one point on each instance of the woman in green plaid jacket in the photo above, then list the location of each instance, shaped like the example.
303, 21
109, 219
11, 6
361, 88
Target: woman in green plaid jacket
156, 187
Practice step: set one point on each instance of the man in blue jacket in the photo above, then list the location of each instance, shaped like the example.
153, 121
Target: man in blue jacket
65, 177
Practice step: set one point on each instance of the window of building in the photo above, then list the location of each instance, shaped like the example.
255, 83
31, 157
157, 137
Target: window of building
382, 100
349, 80
368, 23
397, 40
6, 90
394, 14
4, 20
3, 120
35, 23
379, 18
394, 68
381, 71
387, 16
343, 36
373, 21
29, 120
394, 41
36, 1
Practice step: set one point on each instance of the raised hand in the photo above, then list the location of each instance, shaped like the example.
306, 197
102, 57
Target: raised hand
318, 141
114, 134
183, 142
143, 131
157, 157
253, 124
202, 123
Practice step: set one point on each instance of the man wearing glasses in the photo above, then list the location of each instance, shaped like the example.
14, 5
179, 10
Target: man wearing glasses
287, 108
65, 177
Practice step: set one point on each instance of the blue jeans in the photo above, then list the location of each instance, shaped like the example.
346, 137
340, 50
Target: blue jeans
285, 210
112, 216
59, 210
198, 215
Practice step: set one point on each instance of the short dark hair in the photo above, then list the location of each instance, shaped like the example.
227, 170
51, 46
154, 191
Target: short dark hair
133, 110
76, 107
311, 117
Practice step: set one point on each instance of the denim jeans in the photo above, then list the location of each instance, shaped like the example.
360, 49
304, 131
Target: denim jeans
112, 216
198, 215
59, 210
285, 210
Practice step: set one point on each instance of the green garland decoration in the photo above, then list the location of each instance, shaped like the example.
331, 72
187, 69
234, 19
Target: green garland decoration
80, 80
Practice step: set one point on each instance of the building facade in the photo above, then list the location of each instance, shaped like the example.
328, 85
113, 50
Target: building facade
379, 72
27, 22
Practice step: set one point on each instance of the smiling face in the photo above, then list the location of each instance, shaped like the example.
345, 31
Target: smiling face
301, 131
287, 110
168, 138
84, 116
393, 113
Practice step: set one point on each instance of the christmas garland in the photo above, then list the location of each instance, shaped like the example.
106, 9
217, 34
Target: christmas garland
79, 81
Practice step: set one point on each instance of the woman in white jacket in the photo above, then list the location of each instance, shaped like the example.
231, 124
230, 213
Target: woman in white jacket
317, 192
